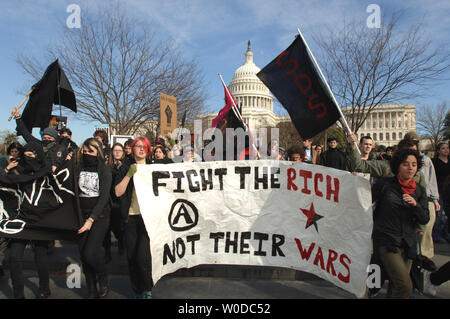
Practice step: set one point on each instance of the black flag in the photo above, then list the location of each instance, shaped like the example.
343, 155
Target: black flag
38, 111
294, 81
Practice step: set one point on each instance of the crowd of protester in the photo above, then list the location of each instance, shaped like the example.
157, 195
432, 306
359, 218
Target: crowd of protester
410, 195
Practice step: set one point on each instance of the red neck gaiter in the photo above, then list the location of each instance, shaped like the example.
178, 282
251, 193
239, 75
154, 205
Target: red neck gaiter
407, 187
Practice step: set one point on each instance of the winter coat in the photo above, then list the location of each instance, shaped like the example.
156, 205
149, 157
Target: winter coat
334, 158
395, 221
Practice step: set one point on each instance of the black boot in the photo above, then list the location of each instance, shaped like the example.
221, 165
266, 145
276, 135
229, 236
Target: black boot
103, 287
91, 284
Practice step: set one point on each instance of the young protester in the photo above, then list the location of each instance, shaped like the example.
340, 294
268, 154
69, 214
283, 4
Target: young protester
14, 150
65, 137
309, 151
116, 223
411, 140
128, 152
334, 157
137, 241
55, 152
438, 277
102, 137
442, 169
400, 204
160, 155
93, 186
296, 153
387, 155
366, 146
317, 152
32, 166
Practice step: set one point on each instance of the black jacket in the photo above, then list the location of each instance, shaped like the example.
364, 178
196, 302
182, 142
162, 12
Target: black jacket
55, 152
395, 222
103, 205
334, 158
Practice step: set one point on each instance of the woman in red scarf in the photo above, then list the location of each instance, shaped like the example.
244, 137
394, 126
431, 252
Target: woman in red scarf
401, 205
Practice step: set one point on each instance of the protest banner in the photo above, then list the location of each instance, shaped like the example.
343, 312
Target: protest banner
43, 210
262, 213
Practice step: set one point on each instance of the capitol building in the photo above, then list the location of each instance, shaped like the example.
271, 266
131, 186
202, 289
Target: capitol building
252, 95
386, 124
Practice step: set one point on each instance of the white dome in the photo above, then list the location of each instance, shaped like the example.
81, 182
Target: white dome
245, 84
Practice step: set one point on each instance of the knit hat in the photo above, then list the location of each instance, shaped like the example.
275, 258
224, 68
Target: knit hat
51, 132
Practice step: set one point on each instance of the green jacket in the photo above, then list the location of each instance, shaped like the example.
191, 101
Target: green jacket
377, 168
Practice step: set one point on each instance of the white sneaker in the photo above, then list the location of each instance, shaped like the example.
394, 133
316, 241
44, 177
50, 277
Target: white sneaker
429, 288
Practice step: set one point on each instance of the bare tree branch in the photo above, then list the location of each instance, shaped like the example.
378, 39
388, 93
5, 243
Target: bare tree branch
118, 67
430, 121
370, 67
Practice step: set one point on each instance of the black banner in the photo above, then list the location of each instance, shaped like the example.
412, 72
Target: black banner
44, 209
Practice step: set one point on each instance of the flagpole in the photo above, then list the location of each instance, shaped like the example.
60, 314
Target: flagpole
234, 106
238, 115
328, 87
18, 107
59, 98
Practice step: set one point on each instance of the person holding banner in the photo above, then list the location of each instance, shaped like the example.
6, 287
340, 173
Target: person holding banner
400, 205
31, 166
137, 241
93, 179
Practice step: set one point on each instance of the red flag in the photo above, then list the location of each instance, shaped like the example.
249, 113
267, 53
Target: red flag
230, 101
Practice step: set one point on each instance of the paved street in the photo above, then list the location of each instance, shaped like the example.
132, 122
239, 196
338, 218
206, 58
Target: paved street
183, 286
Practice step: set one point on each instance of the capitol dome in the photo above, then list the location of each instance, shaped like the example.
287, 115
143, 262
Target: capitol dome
247, 88
252, 96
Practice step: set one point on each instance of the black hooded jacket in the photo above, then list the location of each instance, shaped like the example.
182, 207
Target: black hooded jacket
54, 152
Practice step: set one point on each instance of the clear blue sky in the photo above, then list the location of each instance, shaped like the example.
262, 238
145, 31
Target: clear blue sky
213, 32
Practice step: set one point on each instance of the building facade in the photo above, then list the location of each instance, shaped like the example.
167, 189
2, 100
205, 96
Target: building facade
387, 124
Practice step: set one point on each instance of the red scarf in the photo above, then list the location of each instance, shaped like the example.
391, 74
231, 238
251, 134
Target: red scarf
407, 187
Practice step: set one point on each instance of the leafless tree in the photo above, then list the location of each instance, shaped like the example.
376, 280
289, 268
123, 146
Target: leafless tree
288, 134
430, 121
118, 67
370, 67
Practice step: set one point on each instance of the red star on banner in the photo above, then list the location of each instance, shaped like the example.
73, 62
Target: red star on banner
312, 216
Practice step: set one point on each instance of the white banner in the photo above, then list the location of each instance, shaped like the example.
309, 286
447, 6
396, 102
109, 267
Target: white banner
265, 213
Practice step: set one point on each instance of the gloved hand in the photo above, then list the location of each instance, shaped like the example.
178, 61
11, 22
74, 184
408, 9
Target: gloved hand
132, 170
